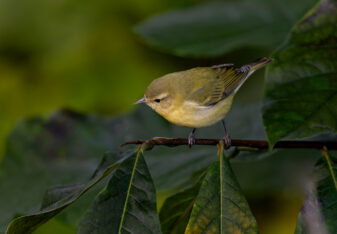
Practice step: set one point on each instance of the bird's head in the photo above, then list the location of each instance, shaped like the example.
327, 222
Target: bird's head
158, 96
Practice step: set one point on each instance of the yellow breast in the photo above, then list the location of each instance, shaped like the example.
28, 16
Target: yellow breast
190, 114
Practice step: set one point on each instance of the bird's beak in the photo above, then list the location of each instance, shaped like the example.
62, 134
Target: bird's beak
142, 100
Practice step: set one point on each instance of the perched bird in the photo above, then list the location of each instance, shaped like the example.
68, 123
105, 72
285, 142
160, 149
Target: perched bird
198, 97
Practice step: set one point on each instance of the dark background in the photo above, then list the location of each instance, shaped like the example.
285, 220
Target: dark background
83, 55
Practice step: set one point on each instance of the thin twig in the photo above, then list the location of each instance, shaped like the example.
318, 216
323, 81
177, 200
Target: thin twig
258, 144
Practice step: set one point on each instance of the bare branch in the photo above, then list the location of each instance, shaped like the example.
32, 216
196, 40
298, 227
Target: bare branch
258, 144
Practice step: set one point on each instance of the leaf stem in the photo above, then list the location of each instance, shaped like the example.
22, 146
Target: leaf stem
221, 158
234, 153
326, 156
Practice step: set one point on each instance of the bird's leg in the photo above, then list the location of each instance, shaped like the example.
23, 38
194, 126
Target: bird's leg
191, 138
226, 137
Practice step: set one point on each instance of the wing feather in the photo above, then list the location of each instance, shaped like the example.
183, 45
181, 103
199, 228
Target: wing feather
221, 83
218, 82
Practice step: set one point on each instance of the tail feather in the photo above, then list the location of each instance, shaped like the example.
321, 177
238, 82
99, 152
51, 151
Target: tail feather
260, 63
246, 70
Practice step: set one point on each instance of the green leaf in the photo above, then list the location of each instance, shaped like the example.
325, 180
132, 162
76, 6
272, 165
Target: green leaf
43, 152
127, 204
59, 198
66, 147
176, 210
220, 206
183, 165
216, 28
319, 211
301, 85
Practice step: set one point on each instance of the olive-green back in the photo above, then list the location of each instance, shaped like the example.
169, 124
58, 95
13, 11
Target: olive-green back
210, 85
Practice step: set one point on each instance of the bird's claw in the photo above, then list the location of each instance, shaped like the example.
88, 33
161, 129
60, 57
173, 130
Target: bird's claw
191, 140
227, 140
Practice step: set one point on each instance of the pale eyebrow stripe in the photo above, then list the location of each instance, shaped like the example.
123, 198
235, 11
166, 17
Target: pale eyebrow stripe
162, 96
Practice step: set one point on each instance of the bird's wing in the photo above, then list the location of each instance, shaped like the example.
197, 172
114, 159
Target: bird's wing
220, 83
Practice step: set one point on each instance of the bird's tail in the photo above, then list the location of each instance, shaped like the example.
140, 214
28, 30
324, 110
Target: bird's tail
260, 63
245, 71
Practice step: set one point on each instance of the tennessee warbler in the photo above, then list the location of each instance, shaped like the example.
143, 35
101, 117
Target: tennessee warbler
198, 97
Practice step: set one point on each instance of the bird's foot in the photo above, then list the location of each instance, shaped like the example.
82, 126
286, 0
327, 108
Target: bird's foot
191, 140
227, 140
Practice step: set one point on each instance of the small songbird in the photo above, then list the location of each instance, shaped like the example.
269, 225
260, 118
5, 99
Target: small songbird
198, 97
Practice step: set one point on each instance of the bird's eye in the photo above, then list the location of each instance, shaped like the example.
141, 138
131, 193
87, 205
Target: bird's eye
157, 100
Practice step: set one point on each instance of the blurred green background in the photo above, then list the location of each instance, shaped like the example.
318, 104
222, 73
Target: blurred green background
83, 55
76, 54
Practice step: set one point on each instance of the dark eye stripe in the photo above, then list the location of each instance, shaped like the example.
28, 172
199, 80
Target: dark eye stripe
160, 99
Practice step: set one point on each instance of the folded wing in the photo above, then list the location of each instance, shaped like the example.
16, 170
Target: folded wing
223, 80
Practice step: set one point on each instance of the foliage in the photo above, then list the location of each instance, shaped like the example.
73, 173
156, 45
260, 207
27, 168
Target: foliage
176, 210
59, 198
301, 85
319, 210
57, 145
122, 193
127, 204
74, 54
217, 28
220, 206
